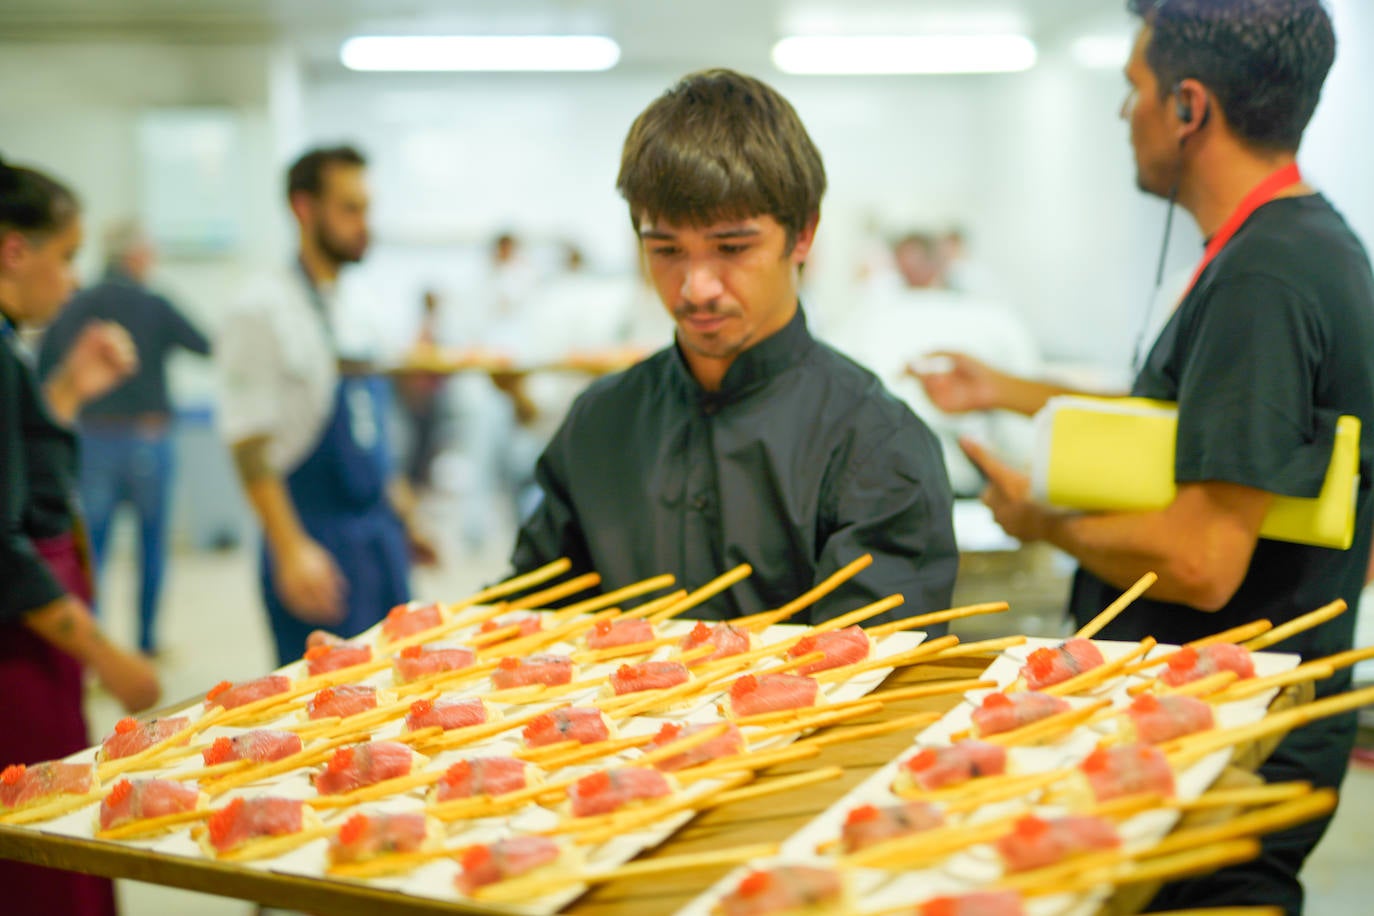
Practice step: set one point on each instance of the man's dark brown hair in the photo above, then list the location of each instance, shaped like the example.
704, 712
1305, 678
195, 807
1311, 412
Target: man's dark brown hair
306, 174
721, 146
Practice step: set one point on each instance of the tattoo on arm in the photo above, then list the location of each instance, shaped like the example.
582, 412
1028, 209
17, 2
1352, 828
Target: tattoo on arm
250, 458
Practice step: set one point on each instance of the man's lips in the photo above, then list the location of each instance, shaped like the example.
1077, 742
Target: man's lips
705, 322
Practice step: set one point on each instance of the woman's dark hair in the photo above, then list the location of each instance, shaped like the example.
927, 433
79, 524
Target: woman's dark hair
33, 203
1264, 60
721, 145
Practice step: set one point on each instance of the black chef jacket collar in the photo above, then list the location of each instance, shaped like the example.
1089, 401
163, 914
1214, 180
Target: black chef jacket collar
751, 369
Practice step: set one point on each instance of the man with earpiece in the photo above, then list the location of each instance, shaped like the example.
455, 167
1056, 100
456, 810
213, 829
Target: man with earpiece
1272, 340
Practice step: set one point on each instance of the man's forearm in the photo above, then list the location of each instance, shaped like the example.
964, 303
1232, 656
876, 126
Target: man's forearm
1026, 396
65, 624
267, 494
63, 400
1199, 564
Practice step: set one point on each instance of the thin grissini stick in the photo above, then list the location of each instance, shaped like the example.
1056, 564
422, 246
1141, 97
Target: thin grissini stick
928, 845
853, 733
806, 599
581, 753
500, 646
640, 817
1169, 868
919, 691
1094, 626
210, 772
519, 890
150, 756
1238, 634
272, 846
982, 647
555, 790
925, 620
384, 789
1104, 865
867, 612
615, 745
464, 736
1041, 729
555, 592
1239, 690
1319, 667
56, 807
1203, 686
650, 608
447, 680
514, 585
1085, 680
701, 595
364, 722
1297, 625
614, 823
597, 656
978, 793
612, 598
458, 620
152, 826
1275, 817
535, 754
748, 762
1235, 635
896, 660
304, 758
823, 718
785, 721
1195, 747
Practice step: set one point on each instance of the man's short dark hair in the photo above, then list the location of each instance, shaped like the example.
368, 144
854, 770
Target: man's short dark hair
719, 146
1265, 60
307, 173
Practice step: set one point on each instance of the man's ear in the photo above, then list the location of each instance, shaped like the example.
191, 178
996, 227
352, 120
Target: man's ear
14, 248
805, 238
302, 206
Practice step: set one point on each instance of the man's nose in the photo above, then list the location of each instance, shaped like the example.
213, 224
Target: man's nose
701, 284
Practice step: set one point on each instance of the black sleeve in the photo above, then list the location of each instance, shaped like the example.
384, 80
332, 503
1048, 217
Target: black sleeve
181, 332
1246, 411
552, 531
27, 583
894, 502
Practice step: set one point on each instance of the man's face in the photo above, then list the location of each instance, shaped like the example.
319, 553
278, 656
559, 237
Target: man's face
42, 268
728, 285
338, 217
1154, 137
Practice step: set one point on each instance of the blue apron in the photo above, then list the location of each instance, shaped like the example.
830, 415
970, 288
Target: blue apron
339, 492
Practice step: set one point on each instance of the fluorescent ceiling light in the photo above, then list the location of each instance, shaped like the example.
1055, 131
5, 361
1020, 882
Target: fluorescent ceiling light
1101, 52
480, 52
899, 54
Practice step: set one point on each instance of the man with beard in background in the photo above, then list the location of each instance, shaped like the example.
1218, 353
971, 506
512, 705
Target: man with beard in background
308, 438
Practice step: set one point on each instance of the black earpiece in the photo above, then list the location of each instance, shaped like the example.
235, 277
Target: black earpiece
1185, 110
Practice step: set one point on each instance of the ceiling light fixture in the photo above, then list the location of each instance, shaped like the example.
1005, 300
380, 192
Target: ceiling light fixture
1108, 51
480, 53
859, 55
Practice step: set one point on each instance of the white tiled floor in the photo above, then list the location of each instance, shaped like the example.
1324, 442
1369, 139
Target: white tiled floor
212, 630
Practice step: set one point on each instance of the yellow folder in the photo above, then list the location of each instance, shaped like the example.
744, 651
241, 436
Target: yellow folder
1117, 454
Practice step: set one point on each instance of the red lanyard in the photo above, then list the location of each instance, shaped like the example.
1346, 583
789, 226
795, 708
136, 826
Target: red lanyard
1263, 193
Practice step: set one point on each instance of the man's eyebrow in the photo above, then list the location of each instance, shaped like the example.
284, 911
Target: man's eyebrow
739, 232
656, 234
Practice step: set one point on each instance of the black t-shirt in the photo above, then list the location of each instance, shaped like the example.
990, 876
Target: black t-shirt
36, 457
1274, 342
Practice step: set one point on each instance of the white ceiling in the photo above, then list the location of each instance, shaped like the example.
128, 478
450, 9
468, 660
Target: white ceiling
651, 32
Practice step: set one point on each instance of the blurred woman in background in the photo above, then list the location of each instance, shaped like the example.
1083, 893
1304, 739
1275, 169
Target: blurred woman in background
47, 633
